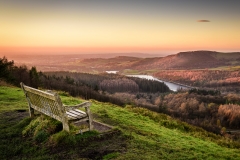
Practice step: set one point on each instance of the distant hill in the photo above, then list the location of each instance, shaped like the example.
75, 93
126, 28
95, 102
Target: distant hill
182, 60
192, 60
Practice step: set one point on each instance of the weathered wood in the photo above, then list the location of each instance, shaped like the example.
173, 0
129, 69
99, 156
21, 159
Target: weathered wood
84, 104
39, 92
50, 104
90, 118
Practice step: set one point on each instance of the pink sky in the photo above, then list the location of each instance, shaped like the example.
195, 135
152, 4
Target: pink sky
94, 27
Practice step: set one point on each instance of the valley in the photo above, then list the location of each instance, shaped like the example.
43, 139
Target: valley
202, 69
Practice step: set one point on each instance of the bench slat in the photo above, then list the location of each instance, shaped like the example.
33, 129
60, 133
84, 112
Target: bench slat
75, 116
78, 112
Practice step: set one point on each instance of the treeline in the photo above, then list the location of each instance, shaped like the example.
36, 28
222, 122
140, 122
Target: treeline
224, 80
119, 85
82, 90
150, 85
205, 92
213, 112
111, 82
14, 74
88, 86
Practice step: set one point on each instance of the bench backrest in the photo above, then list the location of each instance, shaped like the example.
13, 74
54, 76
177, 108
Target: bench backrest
45, 102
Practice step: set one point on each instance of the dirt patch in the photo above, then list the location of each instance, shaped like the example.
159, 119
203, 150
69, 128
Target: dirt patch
16, 115
95, 147
100, 127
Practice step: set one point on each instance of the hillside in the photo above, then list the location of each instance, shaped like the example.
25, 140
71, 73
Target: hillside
137, 131
101, 64
95, 64
189, 60
182, 60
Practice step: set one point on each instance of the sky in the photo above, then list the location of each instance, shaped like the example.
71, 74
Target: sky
115, 26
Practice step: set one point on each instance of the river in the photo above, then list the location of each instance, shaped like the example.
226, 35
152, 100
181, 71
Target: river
172, 86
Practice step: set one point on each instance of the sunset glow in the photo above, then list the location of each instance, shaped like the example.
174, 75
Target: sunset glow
107, 26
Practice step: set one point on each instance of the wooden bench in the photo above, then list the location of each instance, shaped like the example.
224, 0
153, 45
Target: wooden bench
50, 104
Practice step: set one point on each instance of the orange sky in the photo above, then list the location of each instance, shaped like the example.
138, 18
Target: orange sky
72, 27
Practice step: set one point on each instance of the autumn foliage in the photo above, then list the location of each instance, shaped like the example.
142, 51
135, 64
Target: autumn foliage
212, 112
224, 80
229, 115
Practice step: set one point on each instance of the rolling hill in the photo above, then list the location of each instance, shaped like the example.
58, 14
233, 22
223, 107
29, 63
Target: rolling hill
182, 60
179, 61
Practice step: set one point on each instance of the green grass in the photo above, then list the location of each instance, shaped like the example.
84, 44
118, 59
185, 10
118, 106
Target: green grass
139, 134
158, 141
68, 100
12, 98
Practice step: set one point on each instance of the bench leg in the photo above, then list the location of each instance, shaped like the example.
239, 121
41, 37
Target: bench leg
31, 112
90, 125
65, 126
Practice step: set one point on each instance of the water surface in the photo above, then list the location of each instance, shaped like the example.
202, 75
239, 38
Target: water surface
172, 86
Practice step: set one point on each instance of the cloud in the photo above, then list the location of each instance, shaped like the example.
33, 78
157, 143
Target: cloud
203, 20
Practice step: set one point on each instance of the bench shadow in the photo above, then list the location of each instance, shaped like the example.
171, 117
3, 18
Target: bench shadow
98, 126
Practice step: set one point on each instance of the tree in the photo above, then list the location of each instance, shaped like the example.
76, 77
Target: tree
34, 77
6, 69
21, 74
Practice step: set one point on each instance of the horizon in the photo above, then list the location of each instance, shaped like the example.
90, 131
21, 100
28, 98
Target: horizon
105, 55
105, 27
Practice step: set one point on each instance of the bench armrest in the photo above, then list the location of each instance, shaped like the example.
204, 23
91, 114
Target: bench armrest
84, 104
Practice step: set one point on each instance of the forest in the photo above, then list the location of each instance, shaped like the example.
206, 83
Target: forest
209, 109
213, 112
223, 80
102, 87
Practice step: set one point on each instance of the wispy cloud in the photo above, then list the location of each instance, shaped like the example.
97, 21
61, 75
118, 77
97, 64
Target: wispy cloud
203, 20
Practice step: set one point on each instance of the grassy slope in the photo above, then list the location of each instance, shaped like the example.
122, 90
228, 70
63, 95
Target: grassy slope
11, 99
144, 135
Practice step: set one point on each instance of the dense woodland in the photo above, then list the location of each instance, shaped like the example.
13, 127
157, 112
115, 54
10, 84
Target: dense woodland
89, 86
206, 108
214, 112
223, 80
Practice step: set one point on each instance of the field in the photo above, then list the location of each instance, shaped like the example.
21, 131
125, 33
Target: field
138, 134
